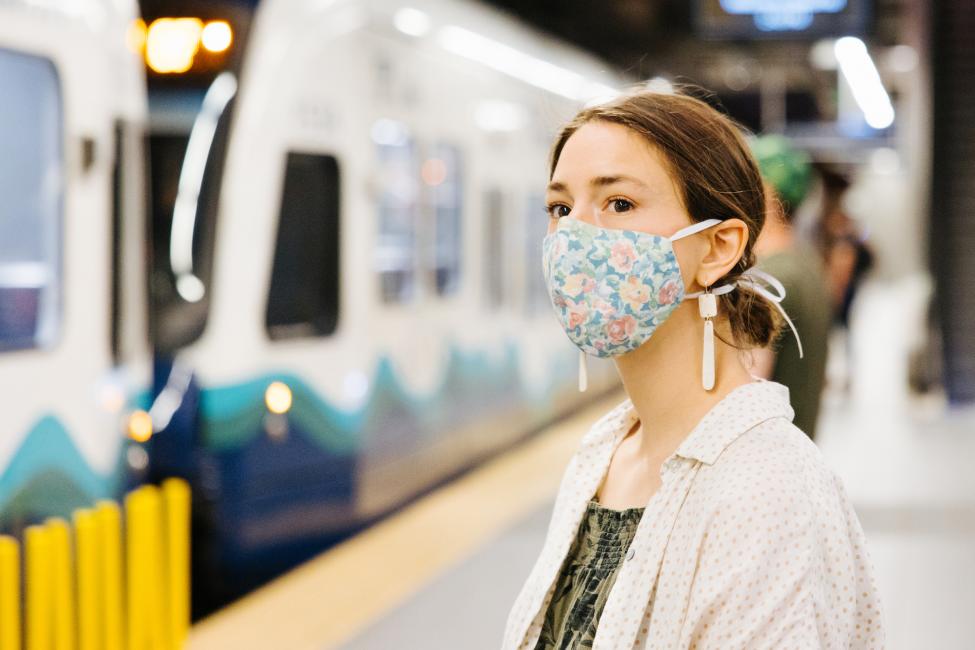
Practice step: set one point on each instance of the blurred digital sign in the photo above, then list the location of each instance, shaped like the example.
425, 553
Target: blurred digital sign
780, 19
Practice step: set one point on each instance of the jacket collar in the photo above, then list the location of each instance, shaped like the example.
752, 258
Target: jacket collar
743, 408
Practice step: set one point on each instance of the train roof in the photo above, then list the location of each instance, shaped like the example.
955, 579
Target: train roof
466, 16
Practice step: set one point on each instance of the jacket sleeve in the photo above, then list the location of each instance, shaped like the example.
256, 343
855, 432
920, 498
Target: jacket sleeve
778, 568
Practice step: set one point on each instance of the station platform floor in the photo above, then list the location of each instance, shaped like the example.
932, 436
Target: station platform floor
443, 572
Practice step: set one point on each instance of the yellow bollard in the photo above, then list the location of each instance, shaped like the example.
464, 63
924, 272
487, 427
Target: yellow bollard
40, 616
9, 593
157, 597
89, 579
144, 558
137, 587
62, 582
108, 522
176, 501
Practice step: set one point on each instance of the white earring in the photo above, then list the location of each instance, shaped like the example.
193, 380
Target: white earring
707, 305
583, 372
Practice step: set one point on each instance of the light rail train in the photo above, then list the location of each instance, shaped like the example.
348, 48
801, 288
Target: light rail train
357, 308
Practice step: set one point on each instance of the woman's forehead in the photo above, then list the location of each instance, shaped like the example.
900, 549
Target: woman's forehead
601, 150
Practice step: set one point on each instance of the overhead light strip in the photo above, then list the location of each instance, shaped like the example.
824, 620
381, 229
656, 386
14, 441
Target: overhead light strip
864, 80
522, 66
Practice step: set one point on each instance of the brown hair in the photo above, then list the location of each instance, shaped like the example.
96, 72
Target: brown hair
716, 177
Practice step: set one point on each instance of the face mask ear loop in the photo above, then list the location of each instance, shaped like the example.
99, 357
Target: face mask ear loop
583, 372
750, 279
707, 304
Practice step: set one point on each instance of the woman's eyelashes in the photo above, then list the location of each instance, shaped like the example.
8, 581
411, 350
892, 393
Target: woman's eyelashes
616, 205
616, 202
553, 210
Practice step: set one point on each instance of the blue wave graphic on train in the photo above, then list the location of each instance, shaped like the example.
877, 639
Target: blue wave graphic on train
471, 384
267, 501
47, 476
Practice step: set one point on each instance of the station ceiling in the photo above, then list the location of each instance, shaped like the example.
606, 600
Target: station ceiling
641, 36
624, 32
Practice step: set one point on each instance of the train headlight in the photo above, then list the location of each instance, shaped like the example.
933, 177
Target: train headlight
172, 43
140, 426
217, 36
277, 397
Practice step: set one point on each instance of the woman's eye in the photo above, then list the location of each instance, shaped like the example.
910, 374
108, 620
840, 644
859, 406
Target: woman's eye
555, 210
621, 205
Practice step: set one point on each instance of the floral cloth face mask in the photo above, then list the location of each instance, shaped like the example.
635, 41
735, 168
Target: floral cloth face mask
612, 288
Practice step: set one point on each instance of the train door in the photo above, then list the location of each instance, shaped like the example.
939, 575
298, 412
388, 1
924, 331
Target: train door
70, 364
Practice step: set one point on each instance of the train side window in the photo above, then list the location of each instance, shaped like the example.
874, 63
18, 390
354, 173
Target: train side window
399, 193
304, 294
442, 172
399, 190
536, 225
31, 202
493, 248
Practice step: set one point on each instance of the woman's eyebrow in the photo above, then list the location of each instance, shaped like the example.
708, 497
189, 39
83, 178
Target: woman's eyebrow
598, 181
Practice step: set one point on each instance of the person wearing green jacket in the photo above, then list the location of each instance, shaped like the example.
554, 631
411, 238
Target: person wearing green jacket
787, 171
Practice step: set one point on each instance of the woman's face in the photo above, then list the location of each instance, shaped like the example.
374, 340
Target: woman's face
609, 176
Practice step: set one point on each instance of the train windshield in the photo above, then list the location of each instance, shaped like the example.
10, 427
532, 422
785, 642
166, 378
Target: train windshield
183, 243
193, 53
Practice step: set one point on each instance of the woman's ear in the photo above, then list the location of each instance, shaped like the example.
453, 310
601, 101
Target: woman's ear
726, 244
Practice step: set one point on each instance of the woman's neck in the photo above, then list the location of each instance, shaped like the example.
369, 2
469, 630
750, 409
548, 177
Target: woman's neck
663, 379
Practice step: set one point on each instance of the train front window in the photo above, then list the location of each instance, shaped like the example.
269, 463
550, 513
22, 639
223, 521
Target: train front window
31, 202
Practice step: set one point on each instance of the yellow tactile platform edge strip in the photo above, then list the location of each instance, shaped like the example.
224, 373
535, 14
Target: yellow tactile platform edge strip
328, 600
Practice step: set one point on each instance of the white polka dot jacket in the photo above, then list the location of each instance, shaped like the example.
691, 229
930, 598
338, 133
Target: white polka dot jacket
750, 542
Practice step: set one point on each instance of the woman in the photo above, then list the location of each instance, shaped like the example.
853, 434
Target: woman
694, 514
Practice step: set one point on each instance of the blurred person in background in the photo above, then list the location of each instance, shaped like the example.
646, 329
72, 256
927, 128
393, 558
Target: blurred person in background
693, 514
845, 253
788, 173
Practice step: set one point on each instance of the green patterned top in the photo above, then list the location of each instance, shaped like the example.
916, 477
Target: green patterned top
586, 577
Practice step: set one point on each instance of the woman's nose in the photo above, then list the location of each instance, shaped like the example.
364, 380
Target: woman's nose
586, 216
583, 211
